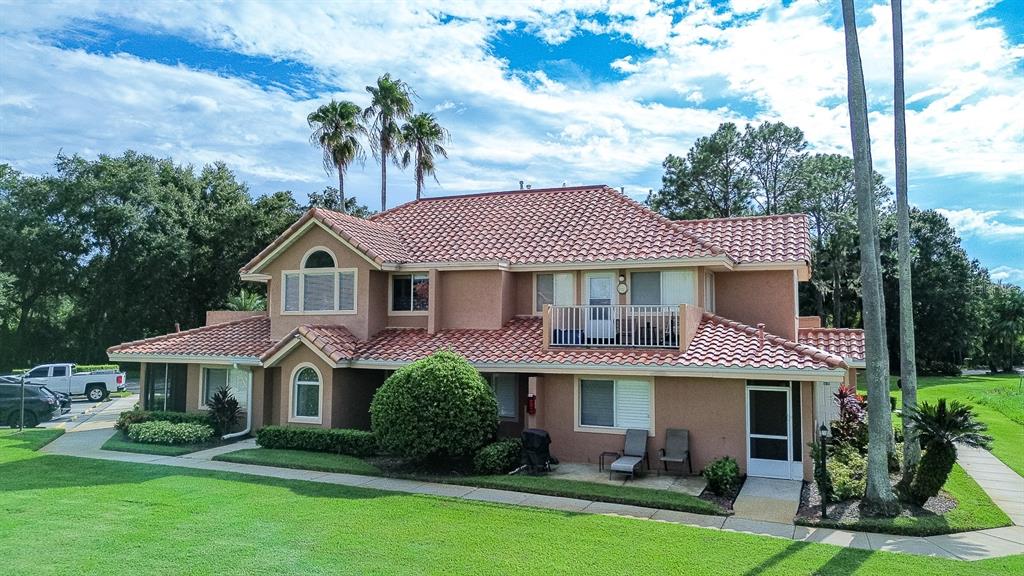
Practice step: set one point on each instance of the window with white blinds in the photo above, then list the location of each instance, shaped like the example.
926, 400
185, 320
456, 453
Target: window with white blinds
291, 292
557, 289
615, 403
666, 287
506, 392
319, 290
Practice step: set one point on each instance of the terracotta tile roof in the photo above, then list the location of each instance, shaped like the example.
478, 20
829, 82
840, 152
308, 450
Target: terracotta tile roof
247, 337
845, 342
336, 342
582, 224
718, 343
781, 238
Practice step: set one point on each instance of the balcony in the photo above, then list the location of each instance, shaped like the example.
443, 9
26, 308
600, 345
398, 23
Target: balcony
615, 326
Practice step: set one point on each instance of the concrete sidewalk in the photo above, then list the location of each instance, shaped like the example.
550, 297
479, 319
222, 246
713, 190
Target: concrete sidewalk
1004, 486
86, 442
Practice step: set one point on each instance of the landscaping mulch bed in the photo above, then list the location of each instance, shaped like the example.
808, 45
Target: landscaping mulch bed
848, 512
726, 501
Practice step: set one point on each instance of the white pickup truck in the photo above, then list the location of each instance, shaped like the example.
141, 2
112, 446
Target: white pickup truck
62, 378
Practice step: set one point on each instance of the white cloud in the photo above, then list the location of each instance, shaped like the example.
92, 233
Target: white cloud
984, 223
1007, 274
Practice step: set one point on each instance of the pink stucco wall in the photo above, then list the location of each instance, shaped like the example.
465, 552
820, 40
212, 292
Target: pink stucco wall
474, 299
761, 296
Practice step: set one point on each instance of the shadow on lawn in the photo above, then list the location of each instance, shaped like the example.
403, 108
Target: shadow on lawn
51, 471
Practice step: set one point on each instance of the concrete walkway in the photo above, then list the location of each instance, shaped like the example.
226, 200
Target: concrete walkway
768, 499
86, 441
1004, 486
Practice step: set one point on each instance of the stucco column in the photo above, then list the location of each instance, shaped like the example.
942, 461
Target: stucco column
434, 302
256, 399
534, 387
142, 385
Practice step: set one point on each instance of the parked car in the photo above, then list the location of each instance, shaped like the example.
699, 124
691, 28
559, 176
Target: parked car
10, 379
41, 405
62, 378
64, 399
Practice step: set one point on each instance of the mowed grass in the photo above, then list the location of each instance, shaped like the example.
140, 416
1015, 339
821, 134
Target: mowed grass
163, 520
998, 400
302, 460
120, 443
974, 511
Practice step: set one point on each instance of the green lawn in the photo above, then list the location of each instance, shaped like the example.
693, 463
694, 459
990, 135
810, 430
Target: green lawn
30, 439
997, 400
974, 511
301, 459
165, 520
120, 443
534, 484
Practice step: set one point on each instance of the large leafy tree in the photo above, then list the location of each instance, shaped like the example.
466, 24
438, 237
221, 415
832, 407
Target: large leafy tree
879, 498
337, 127
390, 104
713, 181
774, 154
330, 199
424, 140
1002, 342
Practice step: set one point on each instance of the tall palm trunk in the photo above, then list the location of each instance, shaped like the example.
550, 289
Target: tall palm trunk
385, 153
341, 190
419, 170
908, 362
879, 498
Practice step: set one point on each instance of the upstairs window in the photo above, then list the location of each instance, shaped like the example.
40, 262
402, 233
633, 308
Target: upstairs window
556, 289
320, 286
666, 288
410, 292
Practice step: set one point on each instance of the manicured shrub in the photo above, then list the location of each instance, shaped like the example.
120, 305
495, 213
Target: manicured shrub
135, 416
224, 410
847, 470
163, 432
499, 457
438, 406
722, 475
940, 429
335, 440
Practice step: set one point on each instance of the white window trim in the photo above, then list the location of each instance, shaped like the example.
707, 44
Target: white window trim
301, 273
291, 396
693, 275
391, 300
202, 380
577, 427
515, 387
575, 283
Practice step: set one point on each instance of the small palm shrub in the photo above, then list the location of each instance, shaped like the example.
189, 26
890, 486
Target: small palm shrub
224, 410
940, 428
499, 457
438, 406
163, 432
722, 475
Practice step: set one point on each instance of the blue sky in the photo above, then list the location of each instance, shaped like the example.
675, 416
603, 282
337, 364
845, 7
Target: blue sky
546, 92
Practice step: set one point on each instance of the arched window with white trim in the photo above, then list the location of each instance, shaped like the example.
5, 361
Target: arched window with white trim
307, 394
320, 286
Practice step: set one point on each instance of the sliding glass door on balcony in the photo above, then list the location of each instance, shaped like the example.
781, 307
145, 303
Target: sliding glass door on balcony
599, 319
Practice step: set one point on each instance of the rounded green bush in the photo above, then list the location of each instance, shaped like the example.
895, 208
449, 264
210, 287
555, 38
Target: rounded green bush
722, 475
500, 457
438, 406
163, 432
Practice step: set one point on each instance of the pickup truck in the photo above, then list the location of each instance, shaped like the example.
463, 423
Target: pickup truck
62, 378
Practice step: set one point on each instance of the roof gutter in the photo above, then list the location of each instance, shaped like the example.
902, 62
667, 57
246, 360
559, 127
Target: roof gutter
185, 358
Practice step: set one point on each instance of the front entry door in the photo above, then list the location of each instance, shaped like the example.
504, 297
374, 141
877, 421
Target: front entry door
599, 322
769, 422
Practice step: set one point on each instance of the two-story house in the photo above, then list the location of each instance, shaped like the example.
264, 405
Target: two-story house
587, 312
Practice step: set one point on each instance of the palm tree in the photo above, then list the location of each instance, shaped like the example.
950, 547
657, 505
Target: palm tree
423, 138
390, 103
940, 429
245, 300
879, 498
336, 129
908, 362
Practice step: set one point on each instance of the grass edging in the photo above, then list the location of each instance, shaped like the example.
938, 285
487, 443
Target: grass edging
119, 442
301, 460
31, 438
974, 511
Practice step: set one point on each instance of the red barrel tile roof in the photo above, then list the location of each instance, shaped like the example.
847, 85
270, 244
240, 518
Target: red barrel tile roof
845, 342
336, 342
248, 338
780, 238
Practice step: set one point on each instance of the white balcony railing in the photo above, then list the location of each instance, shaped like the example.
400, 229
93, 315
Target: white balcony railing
644, 326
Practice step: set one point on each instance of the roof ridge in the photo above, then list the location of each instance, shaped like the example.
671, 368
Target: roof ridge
195, 330
805, 349
394, 209
751, 217
828, 329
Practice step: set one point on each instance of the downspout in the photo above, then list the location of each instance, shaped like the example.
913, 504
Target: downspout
248, 413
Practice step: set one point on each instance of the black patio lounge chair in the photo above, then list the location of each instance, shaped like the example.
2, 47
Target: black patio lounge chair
634, 454
677, 448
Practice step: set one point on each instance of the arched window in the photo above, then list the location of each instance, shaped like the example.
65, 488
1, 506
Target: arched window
319, 259
306, 393
319, 286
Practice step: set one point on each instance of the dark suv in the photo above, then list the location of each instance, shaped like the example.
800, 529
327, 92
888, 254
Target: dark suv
41, 405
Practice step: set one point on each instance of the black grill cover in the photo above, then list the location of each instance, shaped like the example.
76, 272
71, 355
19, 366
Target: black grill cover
536, 443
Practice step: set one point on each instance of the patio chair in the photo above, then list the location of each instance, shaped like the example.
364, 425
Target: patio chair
634, 454
677, 448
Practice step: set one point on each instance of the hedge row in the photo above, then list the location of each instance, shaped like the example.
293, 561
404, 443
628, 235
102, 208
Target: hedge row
163, 432
336, 440
137, 416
